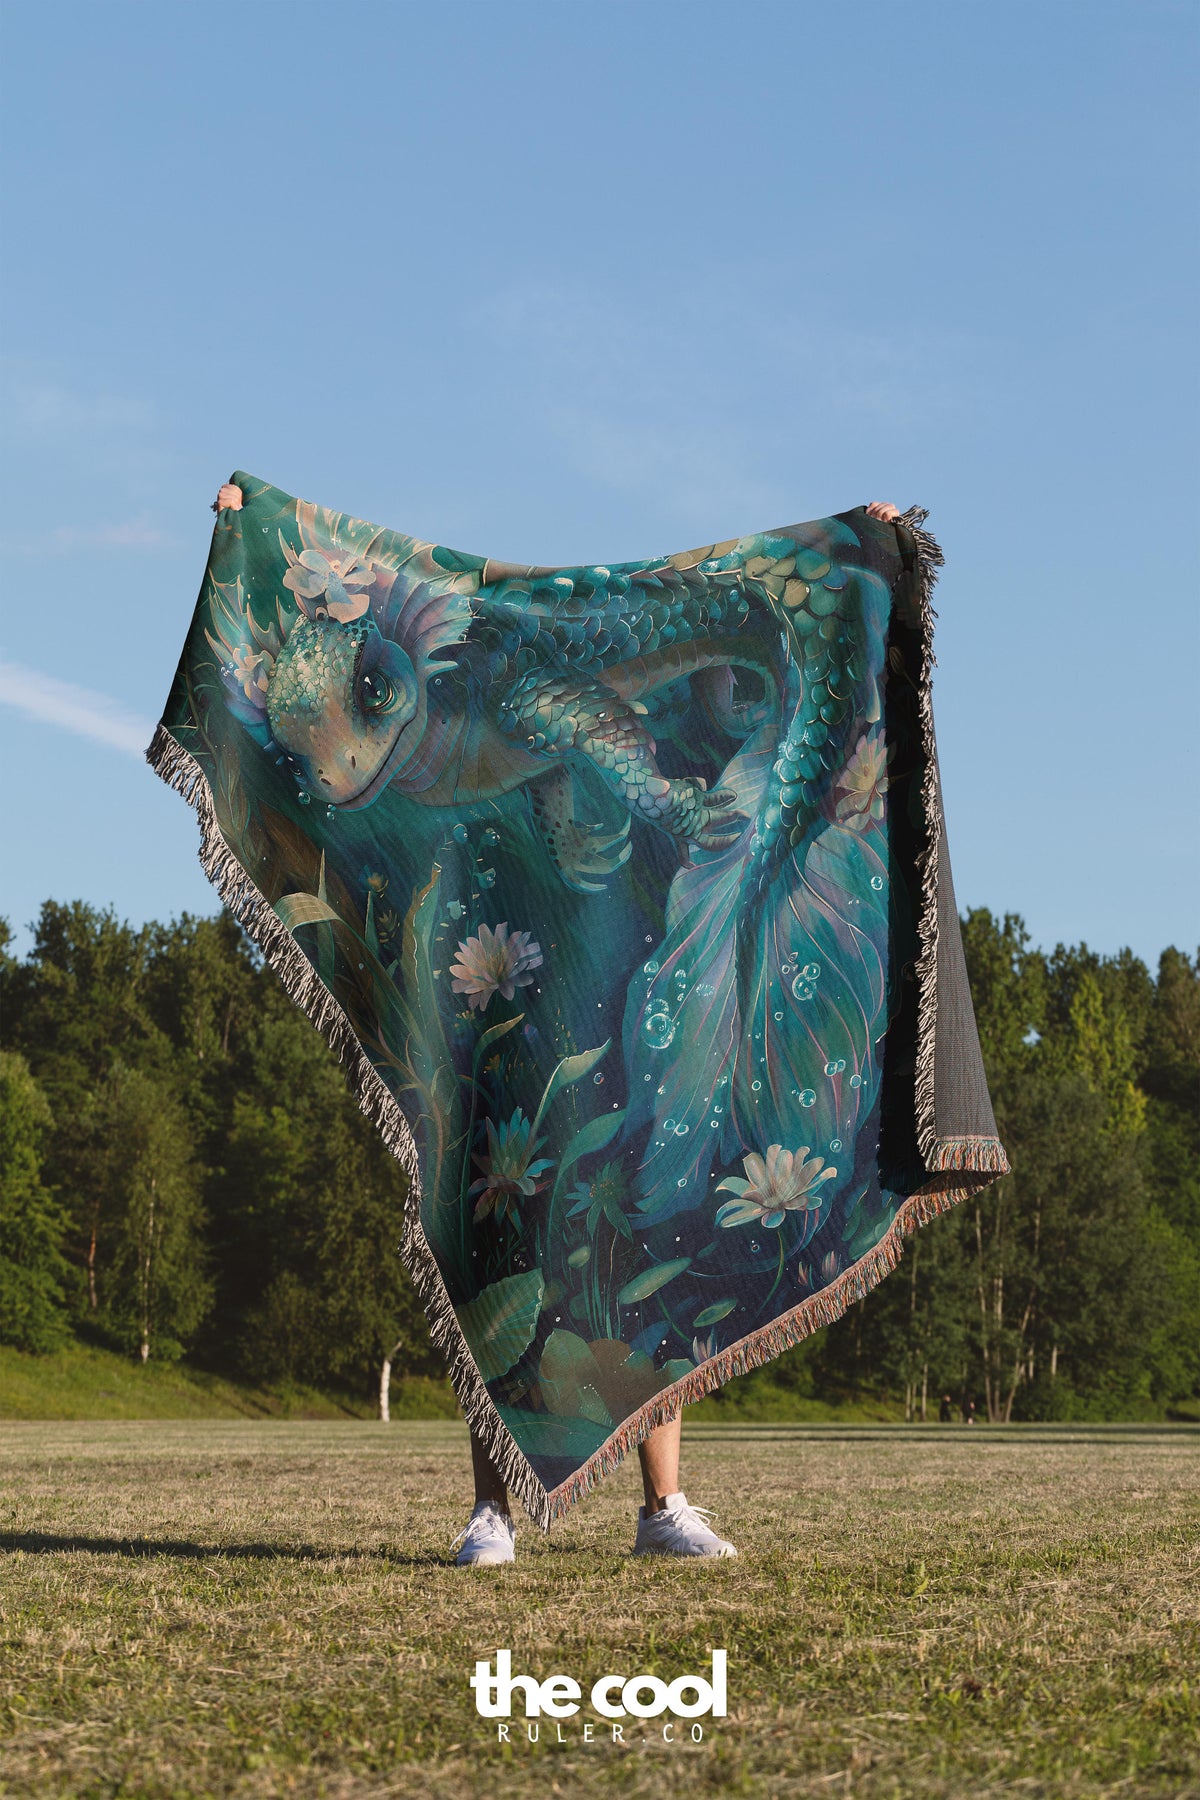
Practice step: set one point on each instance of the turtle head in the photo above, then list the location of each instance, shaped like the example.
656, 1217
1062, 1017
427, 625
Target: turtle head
339, 699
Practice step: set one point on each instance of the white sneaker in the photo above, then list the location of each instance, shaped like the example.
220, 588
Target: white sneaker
487, 1539
678, 1529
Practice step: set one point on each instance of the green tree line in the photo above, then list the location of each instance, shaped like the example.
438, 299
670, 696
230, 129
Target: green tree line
183, 1171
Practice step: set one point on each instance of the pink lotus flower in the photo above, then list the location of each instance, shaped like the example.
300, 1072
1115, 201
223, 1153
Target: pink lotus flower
863, 783
250, 669
324, 583
495, 962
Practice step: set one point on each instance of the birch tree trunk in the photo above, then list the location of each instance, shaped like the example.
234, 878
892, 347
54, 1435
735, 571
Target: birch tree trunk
385, 1384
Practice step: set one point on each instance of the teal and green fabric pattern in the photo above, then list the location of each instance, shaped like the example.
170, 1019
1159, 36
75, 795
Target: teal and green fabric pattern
623, 893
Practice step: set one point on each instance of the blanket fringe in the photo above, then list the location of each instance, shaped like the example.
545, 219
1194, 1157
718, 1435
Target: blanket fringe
983, 1157
929, 562
762, 1346
258, 918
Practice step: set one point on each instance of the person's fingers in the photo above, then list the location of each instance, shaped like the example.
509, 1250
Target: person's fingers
883, 509
230, 496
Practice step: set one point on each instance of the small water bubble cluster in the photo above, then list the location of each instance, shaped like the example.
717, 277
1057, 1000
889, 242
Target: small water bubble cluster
658, 1027
835, 1068
806, 978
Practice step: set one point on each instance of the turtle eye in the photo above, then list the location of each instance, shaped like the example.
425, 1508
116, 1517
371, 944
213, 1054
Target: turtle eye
376, 692
320, 612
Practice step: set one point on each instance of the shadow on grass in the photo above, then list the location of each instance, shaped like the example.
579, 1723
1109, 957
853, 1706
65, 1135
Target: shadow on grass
44, 1542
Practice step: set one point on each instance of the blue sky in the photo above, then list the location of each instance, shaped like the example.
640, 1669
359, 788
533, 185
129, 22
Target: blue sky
565, 282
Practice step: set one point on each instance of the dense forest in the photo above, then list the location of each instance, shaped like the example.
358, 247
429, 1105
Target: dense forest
183, 1172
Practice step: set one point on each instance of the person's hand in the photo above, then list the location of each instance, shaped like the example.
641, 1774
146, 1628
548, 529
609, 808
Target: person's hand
878, 509
230, 497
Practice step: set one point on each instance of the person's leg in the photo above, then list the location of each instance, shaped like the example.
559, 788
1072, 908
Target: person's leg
488, 1485
488, 1536
667, 1524
659, 1457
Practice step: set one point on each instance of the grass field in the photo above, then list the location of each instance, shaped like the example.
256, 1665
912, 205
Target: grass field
249, 1609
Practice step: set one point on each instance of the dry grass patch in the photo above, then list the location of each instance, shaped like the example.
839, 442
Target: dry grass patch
244, 1609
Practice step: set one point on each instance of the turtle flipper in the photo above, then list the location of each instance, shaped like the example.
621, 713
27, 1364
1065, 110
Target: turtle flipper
584, 855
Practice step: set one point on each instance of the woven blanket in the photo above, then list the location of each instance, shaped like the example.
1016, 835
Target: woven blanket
623, 894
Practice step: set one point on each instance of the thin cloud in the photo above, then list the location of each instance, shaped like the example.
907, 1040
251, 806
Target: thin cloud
76, 709
140, 534
50, 410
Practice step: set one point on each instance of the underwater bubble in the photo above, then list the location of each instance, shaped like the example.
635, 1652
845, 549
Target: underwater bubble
756, 1087
668, 1124
649, 939
856, 1081
599, 1080
718, 1109
491, 837
682, 1182
755, 1245
839, 1065
658, 1030
787, 969
811, 971
681, 973
877, 882
807, 1097
303, 799
647, 1078
714, 1124
650, 968
831, 1068
460, 834
801, 989
487, 877
681, 1130
835, 1143
661, 1090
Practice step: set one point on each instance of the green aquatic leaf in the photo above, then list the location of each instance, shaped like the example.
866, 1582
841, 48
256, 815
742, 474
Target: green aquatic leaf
569, 1070
589, 1138
649, 1282
304, 909
491, 1034
570, 1378
720, 1309
544, 1435
499, 1323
